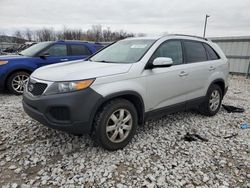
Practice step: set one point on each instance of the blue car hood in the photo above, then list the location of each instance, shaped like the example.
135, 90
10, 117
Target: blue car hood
13, 57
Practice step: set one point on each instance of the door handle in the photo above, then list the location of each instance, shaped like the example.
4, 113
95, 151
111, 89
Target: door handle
183, 73
64, 59
211, 68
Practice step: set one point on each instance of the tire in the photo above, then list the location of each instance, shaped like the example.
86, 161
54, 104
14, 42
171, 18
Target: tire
16, 82
206, 108
108, 125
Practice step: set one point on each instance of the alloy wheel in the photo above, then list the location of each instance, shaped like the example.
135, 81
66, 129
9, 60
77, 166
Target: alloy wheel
119, 125
18, 83
214, 100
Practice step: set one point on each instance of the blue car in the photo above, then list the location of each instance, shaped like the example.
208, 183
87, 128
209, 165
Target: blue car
15, 69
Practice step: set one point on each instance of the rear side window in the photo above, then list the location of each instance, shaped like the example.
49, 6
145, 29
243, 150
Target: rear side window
212, 55
195, 52
171, 49
98, 48
79, 50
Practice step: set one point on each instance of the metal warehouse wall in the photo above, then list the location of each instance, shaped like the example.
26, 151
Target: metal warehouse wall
237, 50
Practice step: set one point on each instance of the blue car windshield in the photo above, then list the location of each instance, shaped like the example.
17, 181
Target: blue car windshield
33, 50
124, 51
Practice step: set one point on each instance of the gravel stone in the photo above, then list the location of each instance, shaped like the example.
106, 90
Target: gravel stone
25, 186
18, 170
151, 178
14, 185
119, 185
103, 180
33, 155
12, 167
205, 178
161, 180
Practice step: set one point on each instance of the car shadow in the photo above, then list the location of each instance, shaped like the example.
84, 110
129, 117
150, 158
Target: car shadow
5, 92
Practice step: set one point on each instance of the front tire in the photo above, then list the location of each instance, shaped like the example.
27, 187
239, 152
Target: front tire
212, 102
17, 81
115, 124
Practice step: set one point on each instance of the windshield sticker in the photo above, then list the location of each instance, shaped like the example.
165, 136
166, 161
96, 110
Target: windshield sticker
139, 46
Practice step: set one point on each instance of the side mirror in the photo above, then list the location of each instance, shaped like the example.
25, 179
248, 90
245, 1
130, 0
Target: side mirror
162, 62
44, 55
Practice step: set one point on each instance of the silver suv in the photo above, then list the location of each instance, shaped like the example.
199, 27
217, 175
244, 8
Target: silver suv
126, 83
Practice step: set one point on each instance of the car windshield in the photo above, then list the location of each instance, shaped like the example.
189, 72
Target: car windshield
33, 50
125, 51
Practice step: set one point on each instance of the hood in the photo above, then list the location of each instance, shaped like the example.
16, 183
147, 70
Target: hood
79, 70
12, 57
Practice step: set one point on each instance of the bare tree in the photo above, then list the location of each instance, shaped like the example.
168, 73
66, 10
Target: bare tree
18, 37
45, 34
96, 33
77, 33
28, 34
69, 34
107, 35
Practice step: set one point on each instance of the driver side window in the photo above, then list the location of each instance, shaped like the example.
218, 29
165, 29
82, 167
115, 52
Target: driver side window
57, 50
171, 49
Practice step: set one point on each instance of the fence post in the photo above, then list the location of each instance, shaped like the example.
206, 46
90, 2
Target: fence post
248, 70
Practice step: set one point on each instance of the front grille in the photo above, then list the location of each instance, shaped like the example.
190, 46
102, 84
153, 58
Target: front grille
36, 88
60, 113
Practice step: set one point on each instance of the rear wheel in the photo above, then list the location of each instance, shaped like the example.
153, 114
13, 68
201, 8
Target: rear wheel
115, 124
212, 102
17, 81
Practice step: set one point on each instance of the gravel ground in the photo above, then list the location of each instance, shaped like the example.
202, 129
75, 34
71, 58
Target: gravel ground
32, 155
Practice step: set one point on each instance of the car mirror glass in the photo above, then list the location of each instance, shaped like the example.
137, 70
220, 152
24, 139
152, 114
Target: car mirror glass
44, 55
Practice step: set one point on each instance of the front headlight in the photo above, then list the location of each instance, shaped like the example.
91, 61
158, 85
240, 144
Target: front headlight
65, 87
3, 62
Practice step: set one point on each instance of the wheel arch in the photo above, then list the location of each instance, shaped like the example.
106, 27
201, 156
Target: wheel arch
132, 96
221, 84
14, 71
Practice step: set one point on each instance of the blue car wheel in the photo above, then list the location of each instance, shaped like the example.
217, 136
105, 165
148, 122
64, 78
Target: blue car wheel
17, 81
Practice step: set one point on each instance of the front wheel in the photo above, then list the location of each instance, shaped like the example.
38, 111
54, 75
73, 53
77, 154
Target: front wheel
212, 102
17, 81
115, 124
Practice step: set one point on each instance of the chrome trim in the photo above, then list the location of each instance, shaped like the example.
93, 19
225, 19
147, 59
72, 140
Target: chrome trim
35, 80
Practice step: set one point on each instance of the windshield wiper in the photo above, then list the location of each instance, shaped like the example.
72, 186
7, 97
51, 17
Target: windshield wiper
103, 61
20, 54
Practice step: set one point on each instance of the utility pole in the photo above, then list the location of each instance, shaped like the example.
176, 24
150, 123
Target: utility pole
205, 26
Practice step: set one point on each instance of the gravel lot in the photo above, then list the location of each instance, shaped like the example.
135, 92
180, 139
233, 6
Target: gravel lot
32, 155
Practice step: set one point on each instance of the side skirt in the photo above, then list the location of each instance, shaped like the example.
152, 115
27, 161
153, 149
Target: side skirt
184, 106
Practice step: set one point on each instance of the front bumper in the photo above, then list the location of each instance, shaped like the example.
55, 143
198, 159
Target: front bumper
70, 112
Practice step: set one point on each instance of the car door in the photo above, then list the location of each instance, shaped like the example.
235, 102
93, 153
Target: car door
166, 86
56, 53
78, 51
198, 68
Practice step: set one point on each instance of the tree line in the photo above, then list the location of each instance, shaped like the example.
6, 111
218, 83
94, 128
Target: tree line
96, 33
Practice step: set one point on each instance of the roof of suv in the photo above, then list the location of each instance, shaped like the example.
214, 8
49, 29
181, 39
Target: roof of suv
78, 41
180, 36
74, 42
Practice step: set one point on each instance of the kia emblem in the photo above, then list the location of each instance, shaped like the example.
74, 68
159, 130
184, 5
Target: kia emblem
31, 87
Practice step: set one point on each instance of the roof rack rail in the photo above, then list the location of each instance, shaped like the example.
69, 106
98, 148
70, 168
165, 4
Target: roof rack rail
190, 36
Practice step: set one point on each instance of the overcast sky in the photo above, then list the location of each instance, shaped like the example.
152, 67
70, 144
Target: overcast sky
153, 17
